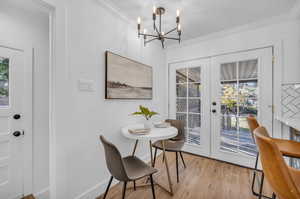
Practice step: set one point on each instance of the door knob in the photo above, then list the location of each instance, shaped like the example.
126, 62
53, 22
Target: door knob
17, 116
214, 103
17, 133
214, 111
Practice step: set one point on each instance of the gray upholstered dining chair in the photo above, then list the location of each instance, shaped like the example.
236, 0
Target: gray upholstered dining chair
174, 144
125, 169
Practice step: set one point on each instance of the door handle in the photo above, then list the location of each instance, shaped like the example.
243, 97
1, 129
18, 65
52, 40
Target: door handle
17, 133
17, 116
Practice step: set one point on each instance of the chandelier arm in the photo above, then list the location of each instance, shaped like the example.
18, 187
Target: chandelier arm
149, 35
162, 44
171, 31
150, 40
172, 38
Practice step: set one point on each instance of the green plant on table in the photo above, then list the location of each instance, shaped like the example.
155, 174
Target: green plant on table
146, 112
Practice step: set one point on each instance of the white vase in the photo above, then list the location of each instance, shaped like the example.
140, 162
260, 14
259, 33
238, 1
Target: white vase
148, 124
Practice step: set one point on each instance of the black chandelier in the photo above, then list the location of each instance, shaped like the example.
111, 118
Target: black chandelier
159, 34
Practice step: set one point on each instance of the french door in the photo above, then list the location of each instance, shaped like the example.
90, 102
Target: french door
230, 88
11, 138
190, 102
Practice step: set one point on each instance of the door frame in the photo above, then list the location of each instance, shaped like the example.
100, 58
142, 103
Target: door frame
27, 118
277, 49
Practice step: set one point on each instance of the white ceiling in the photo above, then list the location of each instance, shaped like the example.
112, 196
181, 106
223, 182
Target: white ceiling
28, 7
202, 17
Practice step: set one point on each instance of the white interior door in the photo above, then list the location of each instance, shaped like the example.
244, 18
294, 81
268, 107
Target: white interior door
189, 101
214, 96
241, 84
11, 146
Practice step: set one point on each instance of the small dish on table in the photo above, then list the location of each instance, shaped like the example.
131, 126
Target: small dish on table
162, 125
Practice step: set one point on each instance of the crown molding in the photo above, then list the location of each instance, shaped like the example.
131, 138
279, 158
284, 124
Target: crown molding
116, 11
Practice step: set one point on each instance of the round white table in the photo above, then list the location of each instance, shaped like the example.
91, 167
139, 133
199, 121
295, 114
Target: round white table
155, 134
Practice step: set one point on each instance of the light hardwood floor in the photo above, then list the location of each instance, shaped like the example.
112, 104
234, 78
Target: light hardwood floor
202, 179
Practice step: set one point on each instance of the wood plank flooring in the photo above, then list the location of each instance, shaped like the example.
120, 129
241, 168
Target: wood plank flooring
202, 179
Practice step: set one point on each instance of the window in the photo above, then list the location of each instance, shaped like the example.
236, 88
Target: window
4, 82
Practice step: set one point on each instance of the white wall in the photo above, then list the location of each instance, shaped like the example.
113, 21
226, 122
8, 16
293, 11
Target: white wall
287, 32
88, 29
20, 28
83, 31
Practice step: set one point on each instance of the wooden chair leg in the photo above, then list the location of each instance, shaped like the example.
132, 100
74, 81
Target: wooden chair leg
108, 186
155, 152
182, 159
124, 190
152, 186
177, 167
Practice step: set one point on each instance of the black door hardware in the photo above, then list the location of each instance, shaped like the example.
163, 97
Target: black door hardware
17, 116
17, 133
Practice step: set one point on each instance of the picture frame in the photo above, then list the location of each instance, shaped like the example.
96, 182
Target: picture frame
127, 79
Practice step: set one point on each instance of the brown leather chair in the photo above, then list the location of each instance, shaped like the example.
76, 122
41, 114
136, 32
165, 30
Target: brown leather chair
284, 180
125, 169
174, 144
286, 147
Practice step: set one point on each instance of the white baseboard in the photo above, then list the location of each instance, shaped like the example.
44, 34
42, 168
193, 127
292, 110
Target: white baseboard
43, 194
99, 188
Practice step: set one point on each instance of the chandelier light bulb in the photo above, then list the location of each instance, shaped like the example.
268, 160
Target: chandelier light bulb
177, 12
179, 27
139, 20
145, 30
154, 10
162, 33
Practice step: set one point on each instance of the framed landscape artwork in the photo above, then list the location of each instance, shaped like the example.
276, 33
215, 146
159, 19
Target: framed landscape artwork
126, 78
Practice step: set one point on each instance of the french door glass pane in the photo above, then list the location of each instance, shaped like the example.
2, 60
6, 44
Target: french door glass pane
4, 82
194, 90
248, 69
181, 75
181, 105
239, 94
188, 103
181, 90
194, 74
194, 105
229, 133
194, 124
228, 71
246, 143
